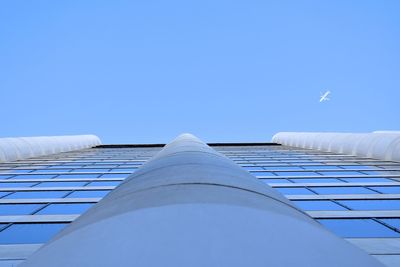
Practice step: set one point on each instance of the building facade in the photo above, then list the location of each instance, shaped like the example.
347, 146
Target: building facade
355, 197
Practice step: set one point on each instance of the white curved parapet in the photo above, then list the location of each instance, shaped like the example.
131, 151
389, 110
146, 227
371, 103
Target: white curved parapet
17, 148
384, 145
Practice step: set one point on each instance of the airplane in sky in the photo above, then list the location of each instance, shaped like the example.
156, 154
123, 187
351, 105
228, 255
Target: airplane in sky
324, 96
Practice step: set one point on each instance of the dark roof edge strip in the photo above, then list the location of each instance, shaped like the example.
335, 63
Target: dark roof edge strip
161, 145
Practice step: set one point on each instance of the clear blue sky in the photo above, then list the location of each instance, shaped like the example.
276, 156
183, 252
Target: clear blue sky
145, 71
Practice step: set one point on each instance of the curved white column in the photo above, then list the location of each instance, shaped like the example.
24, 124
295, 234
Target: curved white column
19, 148
191, 206
384, 145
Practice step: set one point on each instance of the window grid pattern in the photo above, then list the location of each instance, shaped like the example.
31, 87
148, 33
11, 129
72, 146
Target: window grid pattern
351, 196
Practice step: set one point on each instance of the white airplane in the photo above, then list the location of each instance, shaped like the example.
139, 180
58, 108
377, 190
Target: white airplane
324, 96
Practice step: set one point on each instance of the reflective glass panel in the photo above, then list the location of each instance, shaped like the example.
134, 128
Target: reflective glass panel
297, 173
342, 190
74, 176
358, 228
37, 194
104, 183
30, 233
60, 184
24, 184
366, 180
33, 176
316, 180
317, 205
392, 222
387, 189
88, 194
294, 191
18, 209
366, 204
70, 208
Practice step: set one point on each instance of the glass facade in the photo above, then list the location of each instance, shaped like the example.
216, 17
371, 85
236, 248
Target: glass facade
329, 187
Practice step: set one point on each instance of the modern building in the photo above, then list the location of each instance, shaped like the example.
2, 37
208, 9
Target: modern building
189, 205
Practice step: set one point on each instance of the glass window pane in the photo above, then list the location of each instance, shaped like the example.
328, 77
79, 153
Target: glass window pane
275, 181
294, 191
3, 193
37, 194
60, 184
90, 170
19, 209
88, 194
366, 179
392, 222
30, 233
387, 189
114, 175
17, 184
317, 205
297, 174
75, 176
337, 173
358, 228
381, 204
321, 167
287, 168
341, 190
262, 173
70, 208
316, 180
33, 176
104, 183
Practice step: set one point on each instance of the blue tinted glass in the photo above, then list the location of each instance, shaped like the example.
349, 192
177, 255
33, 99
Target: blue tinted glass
382, 172
3, 193
130, 170
358, 167
321, 167
365, 204
16, 184
368, 180
387, 189
2, 177
70, 208
317, 205
34, 176
392, 222
58, 184
342, 190
287, 168
92, 193
74, 176
18, 209
114, 175
262, 173
90, 170
38, 194
297, 174
294, 191
358, 228
52, 170
30, 233
104, 183
336, 173
275, 181
16, 171
316, 180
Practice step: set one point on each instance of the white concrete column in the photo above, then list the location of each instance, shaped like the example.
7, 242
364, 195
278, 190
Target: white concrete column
191, 206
